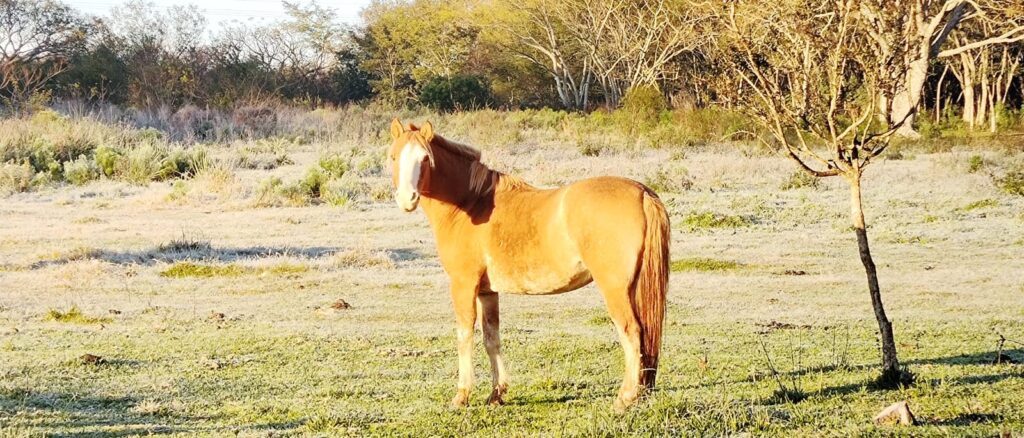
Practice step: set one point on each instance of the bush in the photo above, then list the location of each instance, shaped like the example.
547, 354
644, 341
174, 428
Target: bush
334, 165
140, 165
459, 92
255, 121
15, 178
641, 109
665, 181
800, 179
312, 184
194, 123
1012, 182
107, 159
975, 163
81, 171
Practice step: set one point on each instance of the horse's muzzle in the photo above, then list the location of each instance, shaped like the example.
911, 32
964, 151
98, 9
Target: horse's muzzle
407, 202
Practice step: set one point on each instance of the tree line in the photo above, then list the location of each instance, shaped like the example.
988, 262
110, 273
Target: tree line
958, 59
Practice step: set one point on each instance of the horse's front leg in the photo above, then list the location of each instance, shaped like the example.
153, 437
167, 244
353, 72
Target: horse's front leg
464, 301
490, 322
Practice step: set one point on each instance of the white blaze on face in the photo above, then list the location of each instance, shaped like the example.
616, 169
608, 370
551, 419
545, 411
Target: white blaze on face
410, 163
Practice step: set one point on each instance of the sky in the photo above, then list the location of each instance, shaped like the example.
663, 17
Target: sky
222, 11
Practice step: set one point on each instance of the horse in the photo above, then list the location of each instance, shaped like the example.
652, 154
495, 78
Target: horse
497, 234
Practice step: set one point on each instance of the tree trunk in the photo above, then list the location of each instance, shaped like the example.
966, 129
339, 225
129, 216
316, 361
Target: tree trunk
938, 95
905, 102
890, 363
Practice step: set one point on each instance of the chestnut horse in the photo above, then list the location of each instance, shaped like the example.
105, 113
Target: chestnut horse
497, 234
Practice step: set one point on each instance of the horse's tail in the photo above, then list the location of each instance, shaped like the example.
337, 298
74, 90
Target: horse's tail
651, 285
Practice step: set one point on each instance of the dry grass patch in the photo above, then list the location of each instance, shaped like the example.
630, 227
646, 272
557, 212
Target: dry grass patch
363, 258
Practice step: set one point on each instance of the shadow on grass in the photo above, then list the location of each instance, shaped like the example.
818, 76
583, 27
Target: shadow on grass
982, 358
201, 251
66, 412
966, 419
197, 252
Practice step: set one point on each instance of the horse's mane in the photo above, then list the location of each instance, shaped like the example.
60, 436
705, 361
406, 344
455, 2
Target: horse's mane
482, 179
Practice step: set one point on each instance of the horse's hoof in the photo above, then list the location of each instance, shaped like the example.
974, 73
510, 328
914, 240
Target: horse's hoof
497, 397
624, 401
619, 406
461, 399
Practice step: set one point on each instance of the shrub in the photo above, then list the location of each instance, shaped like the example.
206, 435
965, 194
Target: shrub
590, 149
334, 165
194, 123
81, 171
641, 109
1012, 182
15, 178
255, 121
182, 163
975, 163
800, 179
312, 184
664, 181
107, 160
459, 92
141, 165
268, 192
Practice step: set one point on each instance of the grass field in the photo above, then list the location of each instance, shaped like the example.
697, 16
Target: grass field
211, 313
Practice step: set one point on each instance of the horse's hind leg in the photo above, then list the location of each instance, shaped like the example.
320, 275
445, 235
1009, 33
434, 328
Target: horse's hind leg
620, 309
490, 322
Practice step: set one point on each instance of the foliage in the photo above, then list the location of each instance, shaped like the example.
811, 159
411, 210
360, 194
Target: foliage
1012, 182
459, 92
641, 108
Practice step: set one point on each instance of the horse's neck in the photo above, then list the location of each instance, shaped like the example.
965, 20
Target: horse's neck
450, 194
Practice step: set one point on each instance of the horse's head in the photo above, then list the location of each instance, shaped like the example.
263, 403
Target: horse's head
411, 160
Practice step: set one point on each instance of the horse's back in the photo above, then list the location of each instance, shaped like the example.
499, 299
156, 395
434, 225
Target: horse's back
549, 241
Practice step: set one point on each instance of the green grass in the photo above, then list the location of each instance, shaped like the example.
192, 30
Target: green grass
291, 383
981, 204
709, 220
74, 315
189, 269
704, 265
199, 270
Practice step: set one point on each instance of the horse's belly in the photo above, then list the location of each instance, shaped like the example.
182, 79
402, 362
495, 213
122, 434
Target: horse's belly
539, 280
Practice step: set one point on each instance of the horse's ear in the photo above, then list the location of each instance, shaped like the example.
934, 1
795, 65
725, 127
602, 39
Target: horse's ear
396, 129
427, 130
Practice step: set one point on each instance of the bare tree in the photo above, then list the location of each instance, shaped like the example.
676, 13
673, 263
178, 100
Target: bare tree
986, 75
633, 43
541, 36
36, 36
805, 69
915, 32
